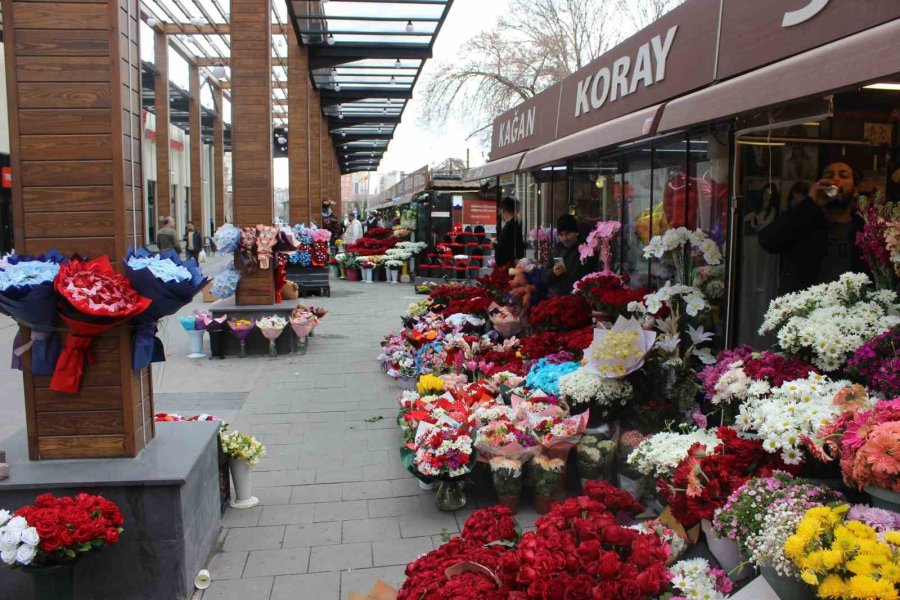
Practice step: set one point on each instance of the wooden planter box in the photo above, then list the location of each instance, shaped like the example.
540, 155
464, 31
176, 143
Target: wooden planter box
257, 288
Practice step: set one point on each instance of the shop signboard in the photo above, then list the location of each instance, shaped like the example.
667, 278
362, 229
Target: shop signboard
759, 32
478, 211
528, 125
672, 56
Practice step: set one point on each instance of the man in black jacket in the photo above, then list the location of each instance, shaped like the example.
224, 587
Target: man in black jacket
817, 237
510, 245
193, 242
565, 266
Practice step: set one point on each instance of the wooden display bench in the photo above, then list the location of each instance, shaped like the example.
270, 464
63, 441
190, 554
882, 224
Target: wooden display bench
311, 280
257, 344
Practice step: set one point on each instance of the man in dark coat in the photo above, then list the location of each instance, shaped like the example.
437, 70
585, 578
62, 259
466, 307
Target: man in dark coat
565, 266
193, 242
510, 244
816, 238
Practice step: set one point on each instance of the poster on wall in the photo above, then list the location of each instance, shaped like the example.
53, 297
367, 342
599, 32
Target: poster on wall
477, 211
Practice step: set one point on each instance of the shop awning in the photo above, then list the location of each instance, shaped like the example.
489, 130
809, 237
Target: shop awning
860, 58
501, 166
623, 129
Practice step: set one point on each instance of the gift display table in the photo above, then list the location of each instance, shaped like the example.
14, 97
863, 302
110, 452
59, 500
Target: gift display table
257, 344
169, 495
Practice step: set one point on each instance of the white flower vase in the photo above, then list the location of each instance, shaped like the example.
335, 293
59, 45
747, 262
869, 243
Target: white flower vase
726, 551
196, 341
240, 476
367, 275
394, 275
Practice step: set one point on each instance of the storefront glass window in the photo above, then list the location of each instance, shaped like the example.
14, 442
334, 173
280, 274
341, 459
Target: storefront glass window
672, 199
638, 221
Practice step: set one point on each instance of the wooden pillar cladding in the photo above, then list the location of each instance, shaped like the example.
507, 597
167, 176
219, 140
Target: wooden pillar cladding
196, 149
299, 205
75, 133
251, 131
218, 169
251, 103
315, 155
324, 144
163, 148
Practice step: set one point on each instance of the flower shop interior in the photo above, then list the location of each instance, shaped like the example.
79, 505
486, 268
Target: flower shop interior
683, 385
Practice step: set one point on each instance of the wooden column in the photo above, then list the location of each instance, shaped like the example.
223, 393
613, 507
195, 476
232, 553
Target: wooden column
323, 160
75, 132
315, 155
218, 169
161, 105
196, 149
251, 104
251, 93
298, 135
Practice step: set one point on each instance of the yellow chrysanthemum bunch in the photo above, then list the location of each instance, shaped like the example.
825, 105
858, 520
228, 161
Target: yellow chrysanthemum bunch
430, 384
845, 559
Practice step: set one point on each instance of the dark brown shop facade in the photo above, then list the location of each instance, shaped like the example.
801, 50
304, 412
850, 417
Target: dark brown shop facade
718, 117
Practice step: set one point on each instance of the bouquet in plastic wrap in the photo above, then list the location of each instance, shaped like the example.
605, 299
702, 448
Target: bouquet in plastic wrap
226, 282
271, 328
27, 295
94, 298
240, 329
620, 350
170, 284
227, 238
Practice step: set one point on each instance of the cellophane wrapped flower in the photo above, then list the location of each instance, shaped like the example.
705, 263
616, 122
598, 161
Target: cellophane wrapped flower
272, 326
595, 457
602, 393
659, 454
55, 530
225, 283
505, 438
546, 474
430, 384
607, 293
544, 375
743, 513
242, 446
696, 579
844, 558
168, 417
789, 413
826, 323
620, 350
877, 363
507, 476
227, 238
444, 452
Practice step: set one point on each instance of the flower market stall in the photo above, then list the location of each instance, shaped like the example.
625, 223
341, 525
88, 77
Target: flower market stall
780, 462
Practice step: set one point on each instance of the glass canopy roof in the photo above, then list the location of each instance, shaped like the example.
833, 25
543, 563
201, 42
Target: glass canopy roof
365, 58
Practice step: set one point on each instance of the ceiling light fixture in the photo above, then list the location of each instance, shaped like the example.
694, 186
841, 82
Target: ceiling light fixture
153, 22
337, 87
282, 140
197, 21
218, 71
409, 27
885, 86
393, 80
398, 64
330, 40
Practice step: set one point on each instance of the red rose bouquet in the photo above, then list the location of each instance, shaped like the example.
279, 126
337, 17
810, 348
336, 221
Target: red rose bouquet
560, 314
469, 306
608, 294
93, 299
704, 479
55, 530
496, 284
492, 525
451, 573
443, 294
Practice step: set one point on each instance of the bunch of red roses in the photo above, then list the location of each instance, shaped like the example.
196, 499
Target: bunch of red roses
496, 284
539, 345
70, 525
580, 552
489, 525
704, 480
608, 293
562, 313
444, 294
426, 577
367, 246
469, 306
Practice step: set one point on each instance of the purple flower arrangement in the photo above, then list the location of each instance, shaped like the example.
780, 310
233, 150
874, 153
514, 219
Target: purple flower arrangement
877, 363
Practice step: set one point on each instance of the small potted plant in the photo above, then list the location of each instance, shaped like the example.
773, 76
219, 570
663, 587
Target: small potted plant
368, 268
243, 452
546, 474
46, 537
351, 267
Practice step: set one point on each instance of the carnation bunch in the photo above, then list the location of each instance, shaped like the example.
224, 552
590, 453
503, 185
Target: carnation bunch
242, 446
844, 558
877, 363
826, 323
444, 452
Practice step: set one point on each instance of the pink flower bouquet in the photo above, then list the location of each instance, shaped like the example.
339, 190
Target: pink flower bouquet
505, 321
271, 328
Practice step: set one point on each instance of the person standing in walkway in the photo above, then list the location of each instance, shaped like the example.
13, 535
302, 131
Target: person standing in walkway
510, 245
167, 238
372, 221
354, 230
193, 242
565, 266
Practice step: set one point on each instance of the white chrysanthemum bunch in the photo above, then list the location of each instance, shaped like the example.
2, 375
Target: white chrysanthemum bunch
798, 408
734, 385
659, 454
828, 322
18, 540
583, 386
673, 240
242, 446
696, 580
